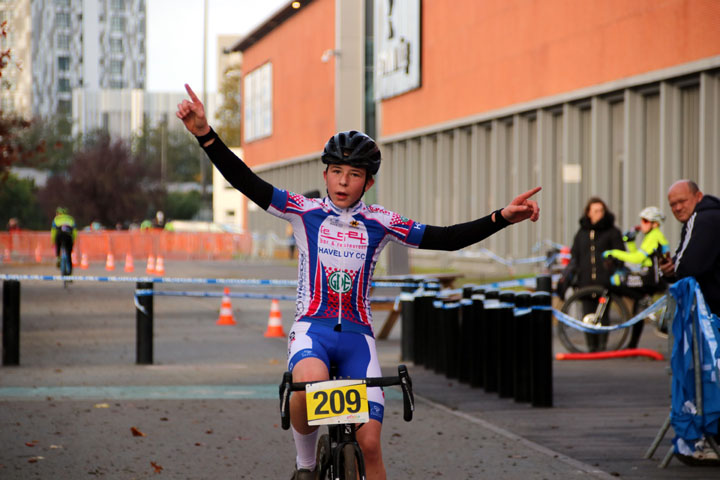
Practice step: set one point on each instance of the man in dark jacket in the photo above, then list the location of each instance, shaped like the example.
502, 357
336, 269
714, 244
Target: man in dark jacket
698, 254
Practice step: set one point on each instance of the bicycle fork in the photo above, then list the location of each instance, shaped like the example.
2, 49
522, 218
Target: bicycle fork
345, 435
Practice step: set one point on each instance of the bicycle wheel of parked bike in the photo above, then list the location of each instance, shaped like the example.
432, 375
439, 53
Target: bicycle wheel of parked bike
594, 306
348, 462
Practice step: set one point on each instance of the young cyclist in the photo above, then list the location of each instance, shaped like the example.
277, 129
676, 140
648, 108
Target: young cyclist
339, 239
653, 247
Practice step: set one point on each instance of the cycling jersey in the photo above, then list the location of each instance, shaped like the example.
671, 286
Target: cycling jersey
653, 241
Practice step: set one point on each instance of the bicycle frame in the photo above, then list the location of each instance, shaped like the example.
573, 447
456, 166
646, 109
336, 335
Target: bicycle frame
344, 434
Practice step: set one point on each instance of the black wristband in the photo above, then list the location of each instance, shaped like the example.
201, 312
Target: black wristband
203, 139
499, 219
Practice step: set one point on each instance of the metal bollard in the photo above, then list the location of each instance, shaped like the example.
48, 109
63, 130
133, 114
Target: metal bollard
523, 344
144, 326
544, 283
466, 341
429, 341
474, 341
439, 332
421, 312
407, 344
451, 320
488, 341
506, 343
541, 388
11, 323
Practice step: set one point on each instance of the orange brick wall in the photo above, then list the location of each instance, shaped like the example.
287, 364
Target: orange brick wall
303, 86
479, 56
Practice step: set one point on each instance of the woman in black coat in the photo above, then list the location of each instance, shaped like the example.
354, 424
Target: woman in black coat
597, 233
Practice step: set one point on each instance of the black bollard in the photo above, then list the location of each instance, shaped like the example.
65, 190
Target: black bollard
466, 341
523, 344
544, 283
452, 338
474, 341
421, 311
11, 323
407, 344
431, 321
144, 326
506, 345
439, 331
541, 388
488, 340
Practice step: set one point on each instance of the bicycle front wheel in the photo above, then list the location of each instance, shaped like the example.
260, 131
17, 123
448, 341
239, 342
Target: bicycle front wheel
348, 462
585, 305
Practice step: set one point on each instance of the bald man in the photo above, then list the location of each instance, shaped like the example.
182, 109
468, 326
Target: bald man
698, 254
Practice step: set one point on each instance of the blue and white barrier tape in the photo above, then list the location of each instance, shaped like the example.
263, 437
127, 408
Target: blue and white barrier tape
577, 324
253, 296
199, 281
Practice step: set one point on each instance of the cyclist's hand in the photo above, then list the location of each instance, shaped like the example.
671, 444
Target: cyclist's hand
607, 253
630, 235
521, 208
667, 266
192, 114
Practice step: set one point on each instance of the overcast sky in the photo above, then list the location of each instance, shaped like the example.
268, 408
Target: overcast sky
175, 38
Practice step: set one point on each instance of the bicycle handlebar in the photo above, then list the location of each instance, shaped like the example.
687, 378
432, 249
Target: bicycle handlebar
403, 379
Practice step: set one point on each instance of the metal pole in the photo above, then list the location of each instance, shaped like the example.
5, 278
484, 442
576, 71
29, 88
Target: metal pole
11, 323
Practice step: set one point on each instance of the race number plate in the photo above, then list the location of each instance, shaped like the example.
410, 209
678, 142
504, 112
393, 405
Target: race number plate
337, 401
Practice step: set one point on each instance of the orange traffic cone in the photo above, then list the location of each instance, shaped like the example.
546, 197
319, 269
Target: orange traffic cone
150, 269
38, 254
7, 257
110, 262
274, 328
160, 266
226, 315
84, 261
129, 265
73, 259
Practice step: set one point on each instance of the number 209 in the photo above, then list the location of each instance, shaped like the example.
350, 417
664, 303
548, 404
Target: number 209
337, 402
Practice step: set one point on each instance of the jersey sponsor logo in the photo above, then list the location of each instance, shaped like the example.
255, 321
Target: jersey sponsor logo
340, 236
340, 282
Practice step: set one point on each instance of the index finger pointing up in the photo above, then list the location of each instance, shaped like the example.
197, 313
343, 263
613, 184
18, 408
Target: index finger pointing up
193, 97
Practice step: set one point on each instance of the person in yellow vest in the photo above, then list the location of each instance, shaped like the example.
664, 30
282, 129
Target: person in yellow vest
63, 231
653, 247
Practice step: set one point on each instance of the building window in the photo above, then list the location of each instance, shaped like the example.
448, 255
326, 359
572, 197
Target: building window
116, 45
63, 41
62, 20
64, 85
117, 5
63, 64
116, 84
258, 103
116, 67
62, 3
64, 107
117, 24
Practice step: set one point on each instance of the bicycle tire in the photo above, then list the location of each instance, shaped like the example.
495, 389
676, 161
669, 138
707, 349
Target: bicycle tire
616, 313
324, 457
348, 463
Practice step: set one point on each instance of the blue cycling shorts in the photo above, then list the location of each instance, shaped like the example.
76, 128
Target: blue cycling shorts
353, 353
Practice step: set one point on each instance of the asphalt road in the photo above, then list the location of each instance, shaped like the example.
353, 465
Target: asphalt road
207, 407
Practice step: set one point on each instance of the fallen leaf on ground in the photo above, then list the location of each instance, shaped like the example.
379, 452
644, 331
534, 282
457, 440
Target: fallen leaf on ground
102, 405
35, 459
136, 432
158, 468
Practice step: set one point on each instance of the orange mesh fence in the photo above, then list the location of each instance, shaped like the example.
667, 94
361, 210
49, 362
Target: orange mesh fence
27, 246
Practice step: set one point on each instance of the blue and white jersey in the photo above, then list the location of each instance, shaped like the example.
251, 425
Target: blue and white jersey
337, 253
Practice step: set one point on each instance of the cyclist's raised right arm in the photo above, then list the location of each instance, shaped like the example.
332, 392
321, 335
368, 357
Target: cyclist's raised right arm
192, 114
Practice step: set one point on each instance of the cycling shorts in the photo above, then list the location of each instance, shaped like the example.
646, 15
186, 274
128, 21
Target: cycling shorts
353, 353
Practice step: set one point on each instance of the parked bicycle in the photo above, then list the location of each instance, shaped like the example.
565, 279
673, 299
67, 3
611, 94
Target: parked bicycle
341, 404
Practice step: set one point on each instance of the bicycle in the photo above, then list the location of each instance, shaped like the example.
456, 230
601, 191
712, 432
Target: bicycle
65, 263
602, 306
341, 404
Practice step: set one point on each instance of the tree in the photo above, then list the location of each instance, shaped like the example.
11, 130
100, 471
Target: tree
229, 113
105, 182
182, 152
18, 200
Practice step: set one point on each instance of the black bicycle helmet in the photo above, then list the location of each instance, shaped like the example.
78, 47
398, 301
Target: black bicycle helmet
352, 148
